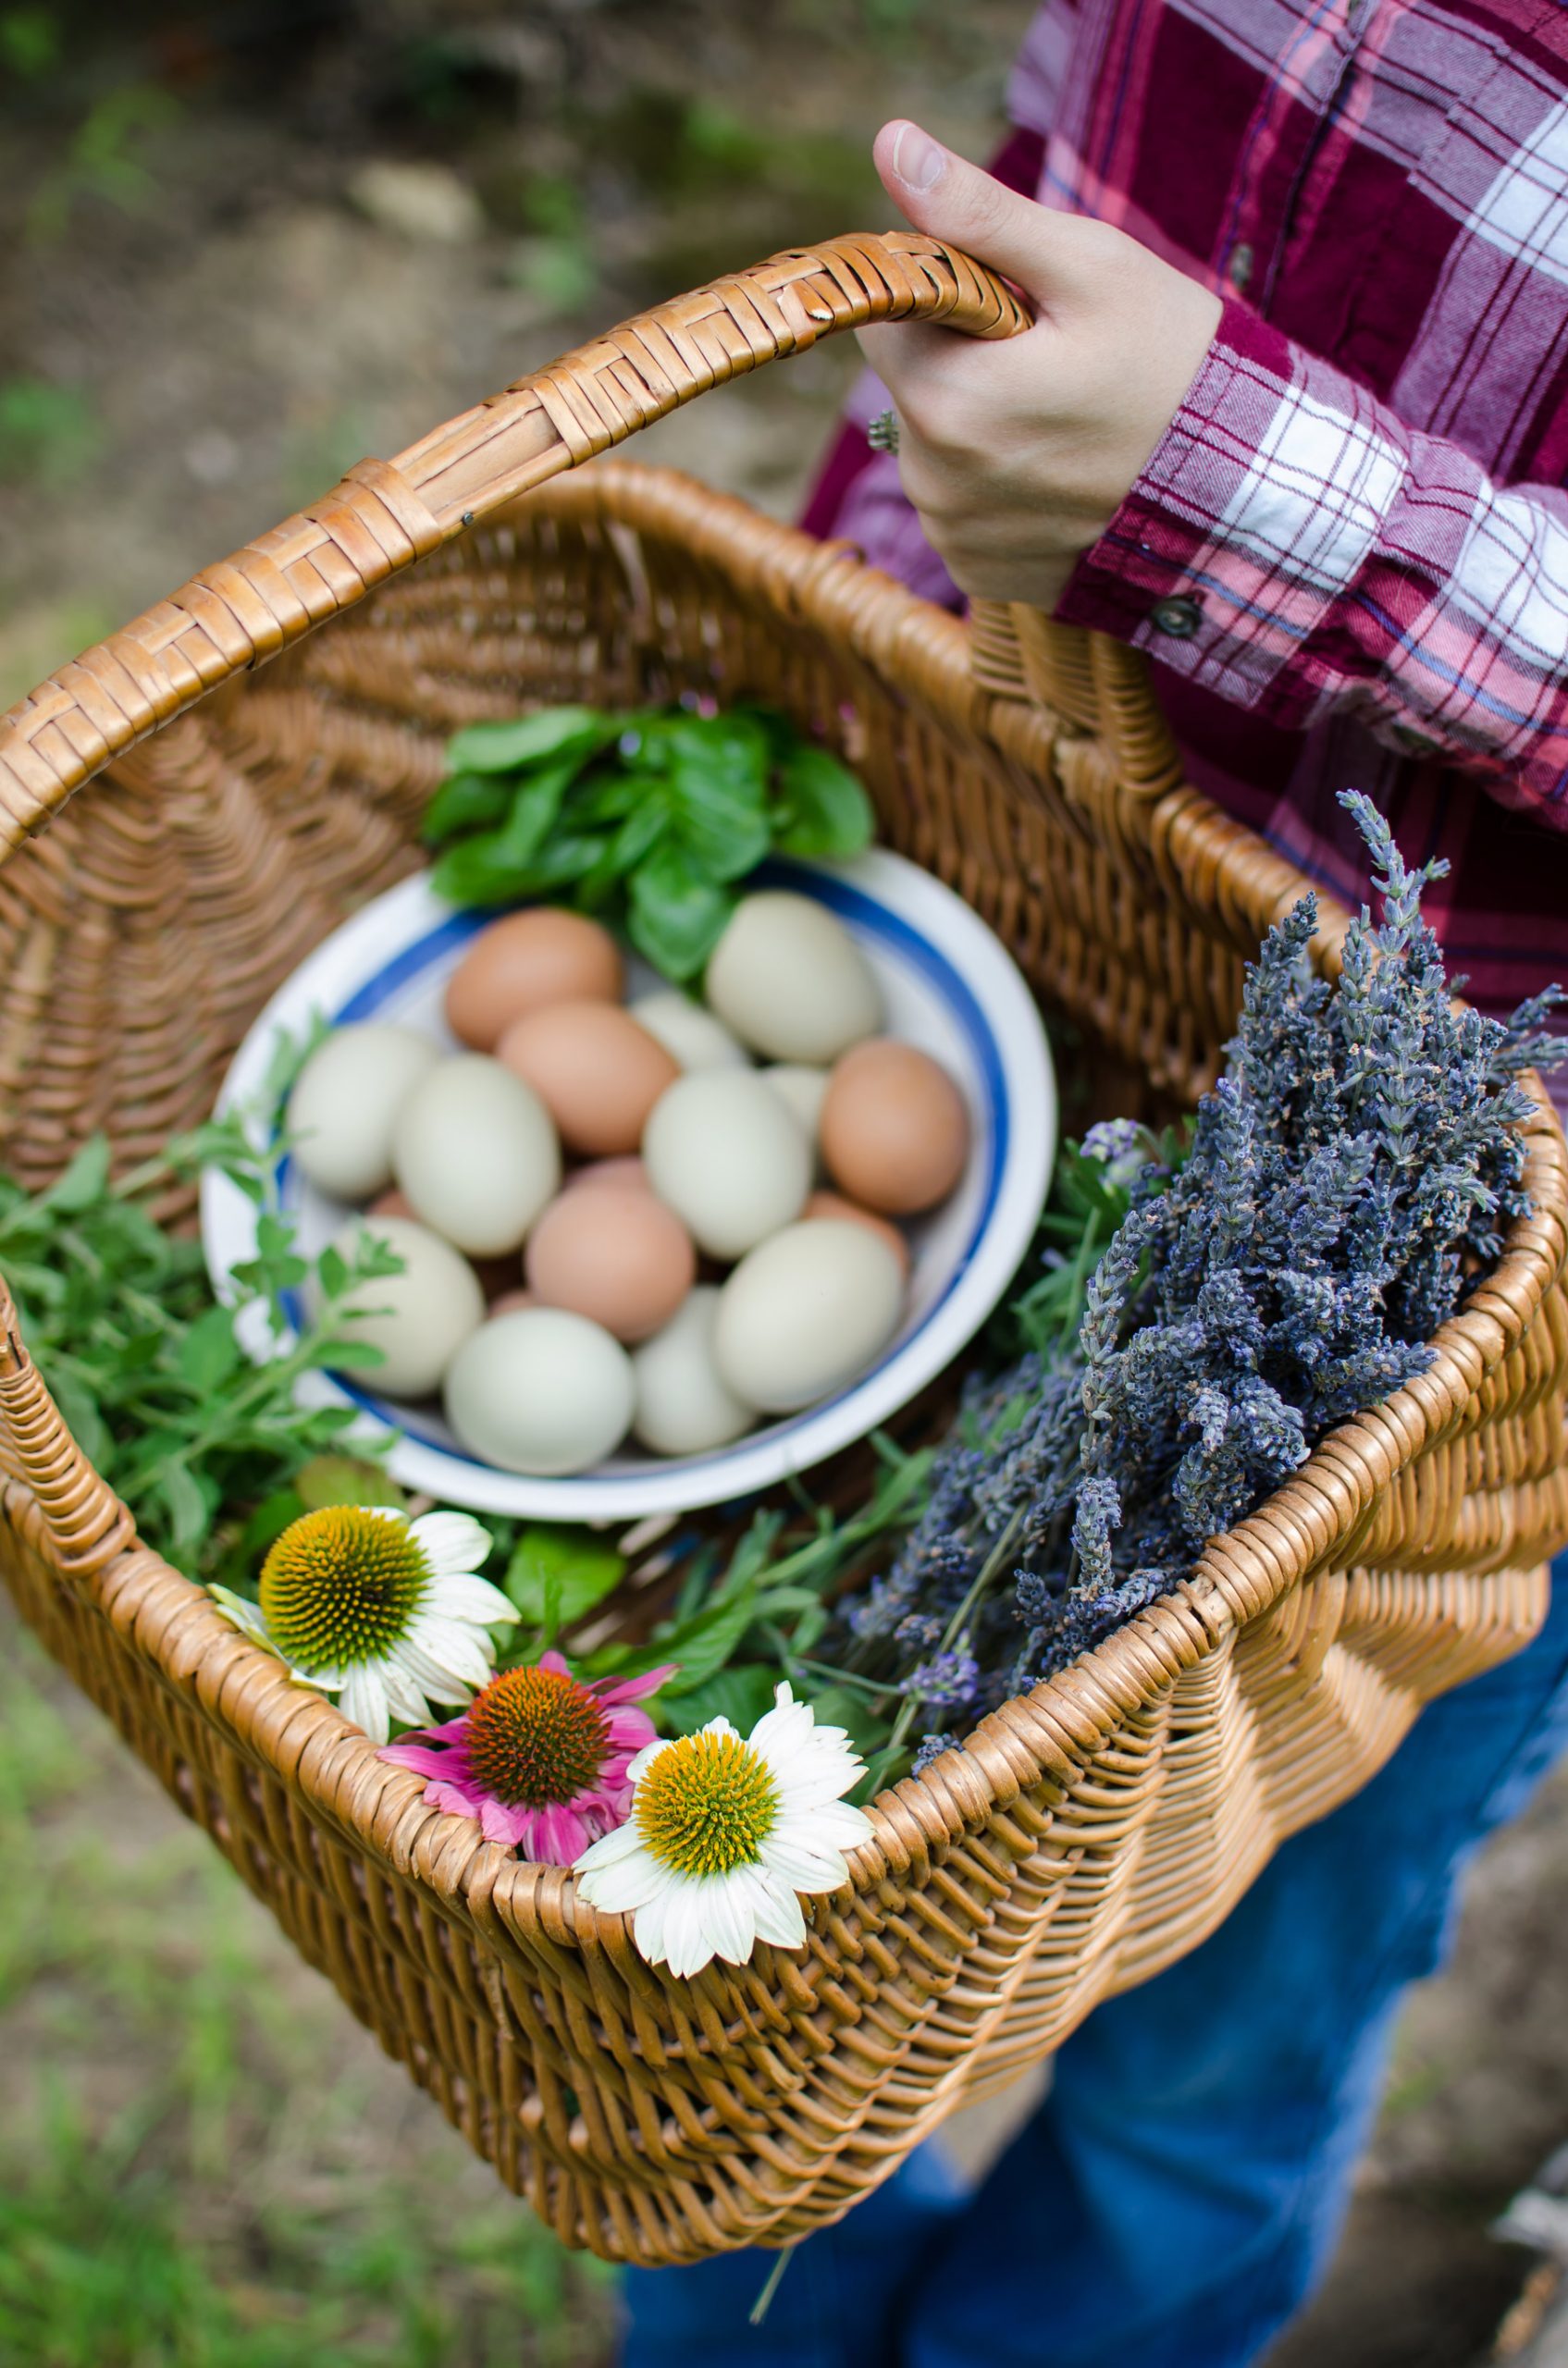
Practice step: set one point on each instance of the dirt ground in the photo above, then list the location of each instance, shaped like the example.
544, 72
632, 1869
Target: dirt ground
222, 283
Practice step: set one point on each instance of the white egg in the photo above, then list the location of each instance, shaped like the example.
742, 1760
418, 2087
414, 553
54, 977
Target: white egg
722, 1149
805, 1313
475, 1155
540, 1390
346, 1101
421, 1317
689, 1033
803, 1089
791, 982
684, 1406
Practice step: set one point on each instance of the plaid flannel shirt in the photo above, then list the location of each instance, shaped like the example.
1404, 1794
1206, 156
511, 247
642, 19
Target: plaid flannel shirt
1348, 556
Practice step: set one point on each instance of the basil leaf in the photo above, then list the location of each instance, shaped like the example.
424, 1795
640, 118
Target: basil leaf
676, 916
719, 794
506, 747
569, 1566
472, 873
824, 810
466, 802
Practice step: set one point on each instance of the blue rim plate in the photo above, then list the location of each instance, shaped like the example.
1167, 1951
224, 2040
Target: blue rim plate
950, 986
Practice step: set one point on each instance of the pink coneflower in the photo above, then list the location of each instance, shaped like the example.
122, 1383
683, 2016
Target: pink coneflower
540, 1757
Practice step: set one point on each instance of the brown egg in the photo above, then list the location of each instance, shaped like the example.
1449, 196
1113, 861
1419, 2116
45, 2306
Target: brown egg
524, 963
614, 1254
596, 1071
508, 1303
391, 1204
893, 1130
833, 1205
627, 1171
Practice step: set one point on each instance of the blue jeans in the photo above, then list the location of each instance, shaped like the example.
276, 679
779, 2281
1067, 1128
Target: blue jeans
1181, 2190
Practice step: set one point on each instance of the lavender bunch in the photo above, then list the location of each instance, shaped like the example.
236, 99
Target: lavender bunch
1349, 1181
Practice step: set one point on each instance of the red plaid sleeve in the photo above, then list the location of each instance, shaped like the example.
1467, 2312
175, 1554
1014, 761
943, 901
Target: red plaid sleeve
1294, 549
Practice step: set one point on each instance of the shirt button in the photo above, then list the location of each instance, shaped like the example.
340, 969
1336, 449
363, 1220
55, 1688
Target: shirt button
1240, 269
1178, 616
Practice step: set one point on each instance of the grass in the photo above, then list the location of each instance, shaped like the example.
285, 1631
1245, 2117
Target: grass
204, 2164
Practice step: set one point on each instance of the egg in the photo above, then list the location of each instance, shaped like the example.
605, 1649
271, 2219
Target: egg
803, 1091
683, 1405
346, 1101
692, 1037
895, 1129
790, 981
421, 1316
508, 1303
476, 1153
614, 1253
524, 962
628, 1169
804, 1312
596, 1071
722, 1151
540, 1390
834, 1205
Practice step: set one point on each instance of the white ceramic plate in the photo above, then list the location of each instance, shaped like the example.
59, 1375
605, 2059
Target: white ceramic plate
949, 986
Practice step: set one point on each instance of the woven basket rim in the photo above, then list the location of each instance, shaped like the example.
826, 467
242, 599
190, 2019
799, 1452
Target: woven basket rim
1042, 1736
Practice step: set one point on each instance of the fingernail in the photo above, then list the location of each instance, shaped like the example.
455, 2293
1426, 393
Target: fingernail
916, 159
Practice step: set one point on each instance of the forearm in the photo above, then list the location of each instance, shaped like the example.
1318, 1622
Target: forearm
1292, 547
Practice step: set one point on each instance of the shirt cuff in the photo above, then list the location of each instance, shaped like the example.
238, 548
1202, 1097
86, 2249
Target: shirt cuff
1210, 564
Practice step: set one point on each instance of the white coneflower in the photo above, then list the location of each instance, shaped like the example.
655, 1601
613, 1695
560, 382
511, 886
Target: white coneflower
387, 1613
724, 1833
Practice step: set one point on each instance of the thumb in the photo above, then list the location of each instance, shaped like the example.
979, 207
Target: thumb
947, 198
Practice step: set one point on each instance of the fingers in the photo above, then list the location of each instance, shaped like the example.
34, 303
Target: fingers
947, 198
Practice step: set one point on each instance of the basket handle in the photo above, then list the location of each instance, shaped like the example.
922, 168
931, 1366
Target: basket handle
384, 515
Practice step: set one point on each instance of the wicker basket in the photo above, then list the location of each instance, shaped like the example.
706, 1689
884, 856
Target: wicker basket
1088, 1833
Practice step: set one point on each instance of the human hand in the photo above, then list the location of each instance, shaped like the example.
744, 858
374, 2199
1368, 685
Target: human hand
1017, 453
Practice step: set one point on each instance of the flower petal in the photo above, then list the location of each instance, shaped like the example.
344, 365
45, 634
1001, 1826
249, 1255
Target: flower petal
632, 1689
459, 1596
628, 1730
404, 1697
688, 1943
451, 1542
789, 1859
454, 1651
559, 1837
648, 1924
412, 1753
363, 1701
624, 1843
621, 1890
246, 1617
500, 1823
729, 1918
646, 1758
779, 1917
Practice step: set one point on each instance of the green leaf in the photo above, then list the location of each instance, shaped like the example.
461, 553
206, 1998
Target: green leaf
189, 1504
344, 1480
702, 1646
718, 788
566, 1569
209, 1353
472, 873
270, 1519
740, 1695
824, 810
85, 1181
674, 917
507, 747
466, 802
841, 1706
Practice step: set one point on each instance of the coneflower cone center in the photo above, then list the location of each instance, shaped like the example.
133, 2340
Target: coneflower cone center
536, 1738
341, 1586
707, 1804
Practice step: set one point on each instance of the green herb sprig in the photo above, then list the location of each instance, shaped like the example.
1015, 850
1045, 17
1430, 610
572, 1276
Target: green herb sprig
649, 819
